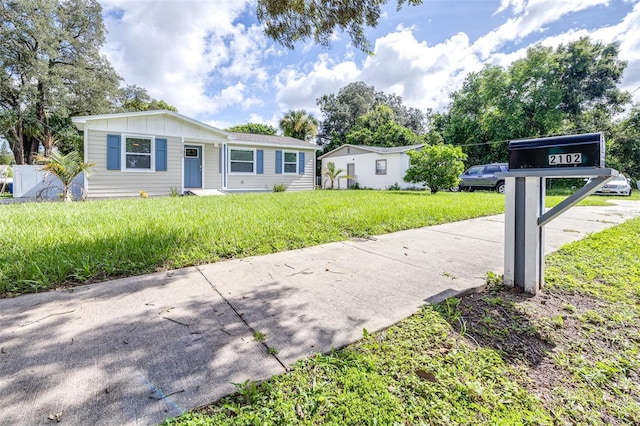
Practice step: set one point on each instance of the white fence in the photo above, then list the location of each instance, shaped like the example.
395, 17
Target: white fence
30, 182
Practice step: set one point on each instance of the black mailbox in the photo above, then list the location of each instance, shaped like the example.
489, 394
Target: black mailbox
585, 150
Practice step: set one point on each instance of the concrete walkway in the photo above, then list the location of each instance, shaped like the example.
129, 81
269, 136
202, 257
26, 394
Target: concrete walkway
138, 350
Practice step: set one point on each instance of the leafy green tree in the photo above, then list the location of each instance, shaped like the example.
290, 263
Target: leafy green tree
623, 150
65, 167
5, 154
570, 89
334, 174
133, 98
299, 124
437, 166
255, 128
379, 128
291, 21
50, 63
341, 112
590, 75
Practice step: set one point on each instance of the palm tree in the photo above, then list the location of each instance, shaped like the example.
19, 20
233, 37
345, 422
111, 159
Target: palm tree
65, 168
299, 124
334, 174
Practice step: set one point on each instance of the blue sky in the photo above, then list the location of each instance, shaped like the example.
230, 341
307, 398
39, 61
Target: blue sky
211, 60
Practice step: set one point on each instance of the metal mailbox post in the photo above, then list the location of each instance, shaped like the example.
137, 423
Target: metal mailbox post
531, 162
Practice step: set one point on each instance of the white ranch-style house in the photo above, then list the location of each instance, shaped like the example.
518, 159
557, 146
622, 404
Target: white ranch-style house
162, 151
370, 166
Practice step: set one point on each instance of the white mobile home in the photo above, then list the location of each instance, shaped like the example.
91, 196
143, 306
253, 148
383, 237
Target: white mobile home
370, 166
160, 151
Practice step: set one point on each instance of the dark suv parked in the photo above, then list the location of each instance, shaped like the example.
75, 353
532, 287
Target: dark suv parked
483, 177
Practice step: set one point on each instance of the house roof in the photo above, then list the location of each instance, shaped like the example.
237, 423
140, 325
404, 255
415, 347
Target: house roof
375, 149
233, 137
271, 140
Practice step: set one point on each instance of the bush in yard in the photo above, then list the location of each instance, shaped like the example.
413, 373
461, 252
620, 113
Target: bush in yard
66, 168
437, 166
334, 174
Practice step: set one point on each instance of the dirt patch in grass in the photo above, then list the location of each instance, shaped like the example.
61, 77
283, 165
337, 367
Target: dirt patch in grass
581, 353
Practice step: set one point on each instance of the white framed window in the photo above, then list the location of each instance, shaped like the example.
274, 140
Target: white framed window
242, 161
138, 153
290, 162
381, 167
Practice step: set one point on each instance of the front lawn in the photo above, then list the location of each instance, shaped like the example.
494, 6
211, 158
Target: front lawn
49, 245
570, 355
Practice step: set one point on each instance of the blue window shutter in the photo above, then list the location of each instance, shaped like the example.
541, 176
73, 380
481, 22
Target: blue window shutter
260, 161
113, 152
301, 163
278, 162
161, 155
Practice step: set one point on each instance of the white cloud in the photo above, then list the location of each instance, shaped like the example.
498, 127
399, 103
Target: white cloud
178, 50
425, 75
516, 5
531, 18
298, 90
202, 57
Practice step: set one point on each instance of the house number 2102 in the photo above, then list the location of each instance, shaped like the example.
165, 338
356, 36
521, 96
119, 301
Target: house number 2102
565, 159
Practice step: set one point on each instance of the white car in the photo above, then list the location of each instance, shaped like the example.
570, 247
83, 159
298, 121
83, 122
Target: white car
618, 186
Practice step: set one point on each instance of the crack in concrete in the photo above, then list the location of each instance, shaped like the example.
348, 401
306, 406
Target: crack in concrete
233, 308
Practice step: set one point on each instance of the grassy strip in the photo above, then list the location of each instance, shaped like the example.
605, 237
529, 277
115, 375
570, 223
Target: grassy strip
568, 356
49, 245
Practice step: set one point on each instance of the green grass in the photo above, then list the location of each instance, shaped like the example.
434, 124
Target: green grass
49, 245
568, 356
417, 372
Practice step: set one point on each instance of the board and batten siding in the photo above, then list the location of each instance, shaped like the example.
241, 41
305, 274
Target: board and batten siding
269, 177
155, 125
116, 183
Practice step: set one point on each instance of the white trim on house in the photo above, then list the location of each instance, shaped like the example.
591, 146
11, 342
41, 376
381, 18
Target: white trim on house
284, 162
85, 139
81, 121
254, 162
202, 163
124, 152
374, 149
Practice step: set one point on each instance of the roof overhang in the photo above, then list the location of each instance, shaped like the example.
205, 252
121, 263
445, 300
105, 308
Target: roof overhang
82, 121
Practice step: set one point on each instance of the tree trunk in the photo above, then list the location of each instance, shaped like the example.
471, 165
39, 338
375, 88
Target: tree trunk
17, 145
47, 142
66, 193
31, 149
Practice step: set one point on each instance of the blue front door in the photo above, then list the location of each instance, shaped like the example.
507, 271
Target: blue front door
192, 166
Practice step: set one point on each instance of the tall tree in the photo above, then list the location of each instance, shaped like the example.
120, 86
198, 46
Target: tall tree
590, 75
541, 94
50, 64
290, 21
623, 150
341, 111
299, 124
5, 154
255, 128
135, 98
379, 128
